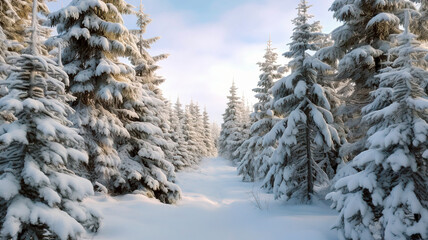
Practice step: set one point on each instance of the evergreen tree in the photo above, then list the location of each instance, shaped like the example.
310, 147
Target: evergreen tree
215, 133
15, 20
419, 25
198, 126
253, 161
208, 139
40, 197
179, 152
387, 195
190, 135
168, 145
147, 155
144, 165
245, 123
231, 129
95, 37
14, 37
4, 67
361, 44
146, 67
307, 120
178, 128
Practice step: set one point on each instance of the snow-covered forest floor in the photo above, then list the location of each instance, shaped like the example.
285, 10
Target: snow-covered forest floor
216, 204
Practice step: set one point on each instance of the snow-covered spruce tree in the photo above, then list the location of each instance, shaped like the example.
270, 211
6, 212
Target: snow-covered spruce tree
172, 152
190, 136
245, 122
208, 139
307, 117
40, 197
230, 135
15, 20
145, 166
332, 161
387, 196
95, 37
215, 132
361, 44
4, 67
146, 66
176, 134
177, 125
168, 146
419, 26
198, 126
14, 37
253, 163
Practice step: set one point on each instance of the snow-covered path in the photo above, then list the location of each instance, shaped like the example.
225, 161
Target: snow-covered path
216, 205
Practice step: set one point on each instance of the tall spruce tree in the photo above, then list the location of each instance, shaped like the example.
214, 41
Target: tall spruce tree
190, 135
419, 26
183, 146
147, 155
4, 67
245, 122
208, 139
95, 38
40, 197
387, 195
254, 157
231, 129
215, 132
361, 44
307, 120
15, 20
146, 67
179, 152
198, 126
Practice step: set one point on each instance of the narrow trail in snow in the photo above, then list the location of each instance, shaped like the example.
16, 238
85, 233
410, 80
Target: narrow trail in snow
215, 205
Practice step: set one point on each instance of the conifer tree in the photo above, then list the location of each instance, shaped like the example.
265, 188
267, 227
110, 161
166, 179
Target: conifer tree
146, 67
167, 145
15, 20
245, 122
4, 67
208, 139
231, 129
144, 165
178, 128
307, 120
215, 132
253, 161
179, 153
361, 45
198, 126
147, 63
419, 25
95, 37
40, 197
147, 155
389, 186
190, 135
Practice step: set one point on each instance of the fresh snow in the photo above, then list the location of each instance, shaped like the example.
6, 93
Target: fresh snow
215, 204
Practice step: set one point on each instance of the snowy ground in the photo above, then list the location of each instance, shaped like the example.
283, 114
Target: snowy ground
216, 205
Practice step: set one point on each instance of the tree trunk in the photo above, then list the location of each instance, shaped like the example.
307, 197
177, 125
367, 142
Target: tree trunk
310, 184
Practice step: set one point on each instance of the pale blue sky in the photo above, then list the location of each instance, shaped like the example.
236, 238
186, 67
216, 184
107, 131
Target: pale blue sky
213, 41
